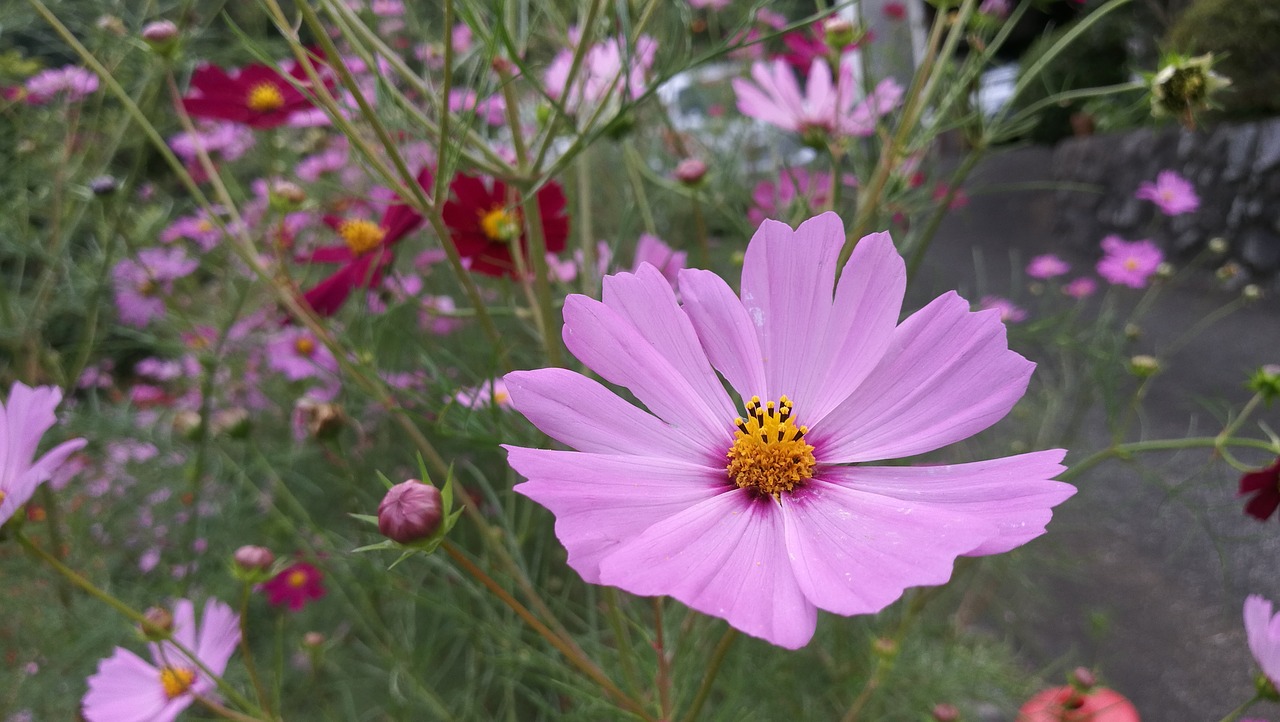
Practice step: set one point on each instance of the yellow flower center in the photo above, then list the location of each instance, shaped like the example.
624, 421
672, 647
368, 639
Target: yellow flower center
769, 453
176, 680
147, 287
500, 225
1130, 264
204, 226
2, 495
297, 579
361, 236
265, 97
304, 346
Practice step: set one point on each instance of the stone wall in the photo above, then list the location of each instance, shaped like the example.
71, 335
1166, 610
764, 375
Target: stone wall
1236, 172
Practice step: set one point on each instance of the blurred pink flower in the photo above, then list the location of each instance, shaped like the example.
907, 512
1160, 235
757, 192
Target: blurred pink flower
24, 418
895, 10
610, 71
1263, 630
712, 4
1172, 193
1082, 287
1009, 313
491, 393
127, 688
1047, 266
825, 110
72, 83
296, 353
141, 284
652, 250
1129, 263
294, 586
764, 518
795, 187
225, 140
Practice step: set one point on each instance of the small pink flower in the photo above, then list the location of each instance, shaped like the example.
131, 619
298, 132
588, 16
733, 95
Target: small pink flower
127, 688
1172, 193
142, 284
959, 200
828, 108
652, 250
1082, 287
1009, 313
795, 187
294, 586
610, 71
71, 82
491, 393
1263, 630
1047, 266
1129, 263
895, 10
298, 354
24, 419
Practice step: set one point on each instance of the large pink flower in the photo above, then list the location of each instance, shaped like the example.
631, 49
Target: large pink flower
760, 517
1172, 193
827, 109
127, 688
23, 420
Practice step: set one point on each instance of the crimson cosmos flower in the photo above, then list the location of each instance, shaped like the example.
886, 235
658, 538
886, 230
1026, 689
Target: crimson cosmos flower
1265, 484
294, 586
365, 254
484, 218
257, 95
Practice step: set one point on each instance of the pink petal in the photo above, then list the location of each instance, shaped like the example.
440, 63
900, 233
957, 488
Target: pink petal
127, 689
724, 557
754, 103
868, 301
582, 413
948, 374
855, 553
725, 330
611, 346
1014, 493
1263, 632
600, 500
788, 278
219, 635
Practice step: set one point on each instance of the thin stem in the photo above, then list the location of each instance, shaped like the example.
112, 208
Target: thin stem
664, 665
622, 638
1123, 450
700, 230
718, 656
247, 653
224, 712
1235, 713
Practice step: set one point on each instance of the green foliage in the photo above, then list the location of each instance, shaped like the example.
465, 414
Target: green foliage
1246, 35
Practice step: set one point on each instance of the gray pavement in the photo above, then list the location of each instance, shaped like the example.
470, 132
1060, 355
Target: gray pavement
1142, 575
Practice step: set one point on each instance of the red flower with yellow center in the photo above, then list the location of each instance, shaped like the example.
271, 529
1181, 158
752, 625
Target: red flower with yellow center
258, 96
365, 254
294, 586
484, 219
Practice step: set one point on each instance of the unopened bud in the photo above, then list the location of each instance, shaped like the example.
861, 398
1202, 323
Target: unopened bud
501, 65
312, 640
411, 511
112, 25
1219, 245
946, 713
1143, 366
187, 422
1165, 270
1266, 382
1228, 271
233, 423
104, 185
1083, 679
286, 195
160, 32
885, 648
839, 33
691, 171
254, 559
320, 419
157, 624
1251, 292
1132, 331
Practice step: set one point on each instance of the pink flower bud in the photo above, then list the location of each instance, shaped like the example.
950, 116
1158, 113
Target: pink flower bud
691, 171
410, 511
251, 558
160, 31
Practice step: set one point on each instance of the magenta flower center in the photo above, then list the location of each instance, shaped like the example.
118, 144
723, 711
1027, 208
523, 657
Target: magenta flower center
176, 680
769, 453
264, 98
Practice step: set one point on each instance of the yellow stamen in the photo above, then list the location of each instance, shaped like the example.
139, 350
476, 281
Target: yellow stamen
304, 346
499, 224
297, 579
769, 453
204, 226
2, 495
265, 97
147, 287
361, 236
176, 680
1130, 264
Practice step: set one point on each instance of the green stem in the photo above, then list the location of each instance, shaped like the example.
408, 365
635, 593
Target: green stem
1123, 450
1235, 713
663, 680
247, 653
718, 656
622, 637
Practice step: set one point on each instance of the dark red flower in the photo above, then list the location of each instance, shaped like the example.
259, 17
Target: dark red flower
365, 254
484, 218
294, 586
1264, 484
256, 95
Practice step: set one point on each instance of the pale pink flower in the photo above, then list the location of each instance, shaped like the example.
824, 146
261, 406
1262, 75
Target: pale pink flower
1129, 263
298, 354
72, 83
712, 4
142, 284
1009, 313
652, 250
490, 393
795, 188
24, 419
127, 688
1047, 266
610, 71
1263, 631
996, 8
226, 140
764, 516
1082, 287
826, 109
1172, 193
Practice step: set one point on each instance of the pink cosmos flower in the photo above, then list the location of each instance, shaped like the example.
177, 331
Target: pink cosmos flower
23, 420
1047, 266
611, 70
895, 10
294, 586
1129, 263
491, 393
712, 4
1172, 193
1263, 631
825, 110
652, 250
71, 82
759, 516
1082, 287
795, 186
298, 354
142, 284
127, 688
1009, 313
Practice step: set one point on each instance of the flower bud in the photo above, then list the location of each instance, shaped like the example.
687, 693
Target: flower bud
1083, 679
254, 559
411, 511
691, 171
286, 195
158, 623
1251, 292
1143, 366
1219, 245
885, 648
839, 33
1165, 270
312, 640
1132, 331
160, 32
233, 423
946, 713
104, 185
1228, 271
320, 419
1266, 382
1185, 85
111, 24
187, 422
